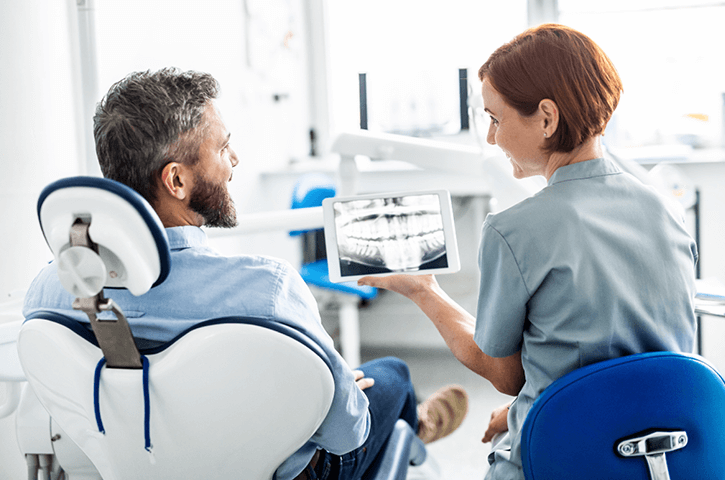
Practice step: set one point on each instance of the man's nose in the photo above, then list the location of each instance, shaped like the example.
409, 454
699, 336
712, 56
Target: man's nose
233, 158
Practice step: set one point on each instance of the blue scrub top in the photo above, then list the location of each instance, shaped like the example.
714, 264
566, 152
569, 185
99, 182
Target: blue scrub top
594, 266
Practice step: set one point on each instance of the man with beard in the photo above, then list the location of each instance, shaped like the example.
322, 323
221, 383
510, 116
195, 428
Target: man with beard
161, 134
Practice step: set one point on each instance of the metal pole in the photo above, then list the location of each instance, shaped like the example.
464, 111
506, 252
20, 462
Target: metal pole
89, 79
696, 210
542, 11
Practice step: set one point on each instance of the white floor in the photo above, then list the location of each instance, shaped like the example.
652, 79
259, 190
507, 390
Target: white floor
460, 456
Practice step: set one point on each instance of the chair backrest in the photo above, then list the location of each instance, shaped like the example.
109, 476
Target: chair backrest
225, 400
574, 428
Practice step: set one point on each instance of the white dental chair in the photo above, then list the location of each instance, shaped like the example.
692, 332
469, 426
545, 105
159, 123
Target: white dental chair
231, 398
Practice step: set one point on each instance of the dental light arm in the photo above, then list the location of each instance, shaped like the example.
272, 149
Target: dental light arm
494, 171
285, 220
466, 160
424, 153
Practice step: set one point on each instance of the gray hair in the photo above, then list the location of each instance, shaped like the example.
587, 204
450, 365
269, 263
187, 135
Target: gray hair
149, 119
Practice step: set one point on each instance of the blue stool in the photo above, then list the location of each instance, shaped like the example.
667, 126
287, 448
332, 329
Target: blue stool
645, 416
309, 191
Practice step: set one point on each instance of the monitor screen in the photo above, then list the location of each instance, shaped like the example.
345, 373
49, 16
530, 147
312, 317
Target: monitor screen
390, 233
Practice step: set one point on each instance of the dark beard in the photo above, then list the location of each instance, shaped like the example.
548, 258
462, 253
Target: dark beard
213, 202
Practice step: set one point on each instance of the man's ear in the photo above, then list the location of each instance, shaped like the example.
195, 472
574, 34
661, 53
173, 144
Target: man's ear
176, 180
550, 115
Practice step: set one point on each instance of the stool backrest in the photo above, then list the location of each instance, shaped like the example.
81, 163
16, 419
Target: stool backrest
574, 428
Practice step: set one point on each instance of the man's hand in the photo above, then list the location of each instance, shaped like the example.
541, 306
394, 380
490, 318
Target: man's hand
362, 381
498, 423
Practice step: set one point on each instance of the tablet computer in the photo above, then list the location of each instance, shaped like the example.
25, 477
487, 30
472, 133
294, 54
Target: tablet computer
388, 233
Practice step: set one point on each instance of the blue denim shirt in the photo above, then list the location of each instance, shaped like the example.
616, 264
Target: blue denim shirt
594, 266
202, 285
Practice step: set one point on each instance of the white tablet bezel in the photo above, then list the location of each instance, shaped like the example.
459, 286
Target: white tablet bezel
449, 232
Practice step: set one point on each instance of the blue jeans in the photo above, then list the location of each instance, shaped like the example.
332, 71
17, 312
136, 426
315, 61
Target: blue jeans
392, 397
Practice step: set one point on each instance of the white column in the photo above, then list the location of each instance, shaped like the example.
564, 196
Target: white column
317, 73
39, 142
349, 318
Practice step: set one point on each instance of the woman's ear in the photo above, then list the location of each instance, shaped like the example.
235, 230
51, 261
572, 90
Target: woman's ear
176, 180
549, 112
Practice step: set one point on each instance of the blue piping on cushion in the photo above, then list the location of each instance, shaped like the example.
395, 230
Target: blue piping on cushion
146, 405
146, 400
96, 394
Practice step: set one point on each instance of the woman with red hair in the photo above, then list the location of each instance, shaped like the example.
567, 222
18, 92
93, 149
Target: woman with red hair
594, 266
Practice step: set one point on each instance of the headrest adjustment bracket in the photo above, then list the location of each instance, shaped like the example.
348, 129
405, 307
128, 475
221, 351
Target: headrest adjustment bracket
113, 335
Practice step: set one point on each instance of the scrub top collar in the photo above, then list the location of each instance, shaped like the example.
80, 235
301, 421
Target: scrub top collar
186, 237
581, 170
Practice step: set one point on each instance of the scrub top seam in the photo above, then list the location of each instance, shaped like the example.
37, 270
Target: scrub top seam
608, 174
518, 267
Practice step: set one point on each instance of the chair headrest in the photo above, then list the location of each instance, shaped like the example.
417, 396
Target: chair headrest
133, 250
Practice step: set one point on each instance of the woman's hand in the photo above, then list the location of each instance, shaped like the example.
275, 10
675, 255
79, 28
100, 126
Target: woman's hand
498, 423
407, 285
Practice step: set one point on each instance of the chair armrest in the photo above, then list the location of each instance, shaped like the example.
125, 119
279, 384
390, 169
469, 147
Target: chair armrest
12, 398
404, 448
10, 369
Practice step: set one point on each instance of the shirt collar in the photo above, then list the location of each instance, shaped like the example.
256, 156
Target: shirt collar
185, 237
581, 170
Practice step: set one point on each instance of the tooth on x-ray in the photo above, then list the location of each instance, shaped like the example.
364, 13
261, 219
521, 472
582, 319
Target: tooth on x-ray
399, 234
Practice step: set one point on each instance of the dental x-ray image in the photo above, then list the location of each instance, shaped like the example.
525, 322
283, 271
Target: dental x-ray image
396, 234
